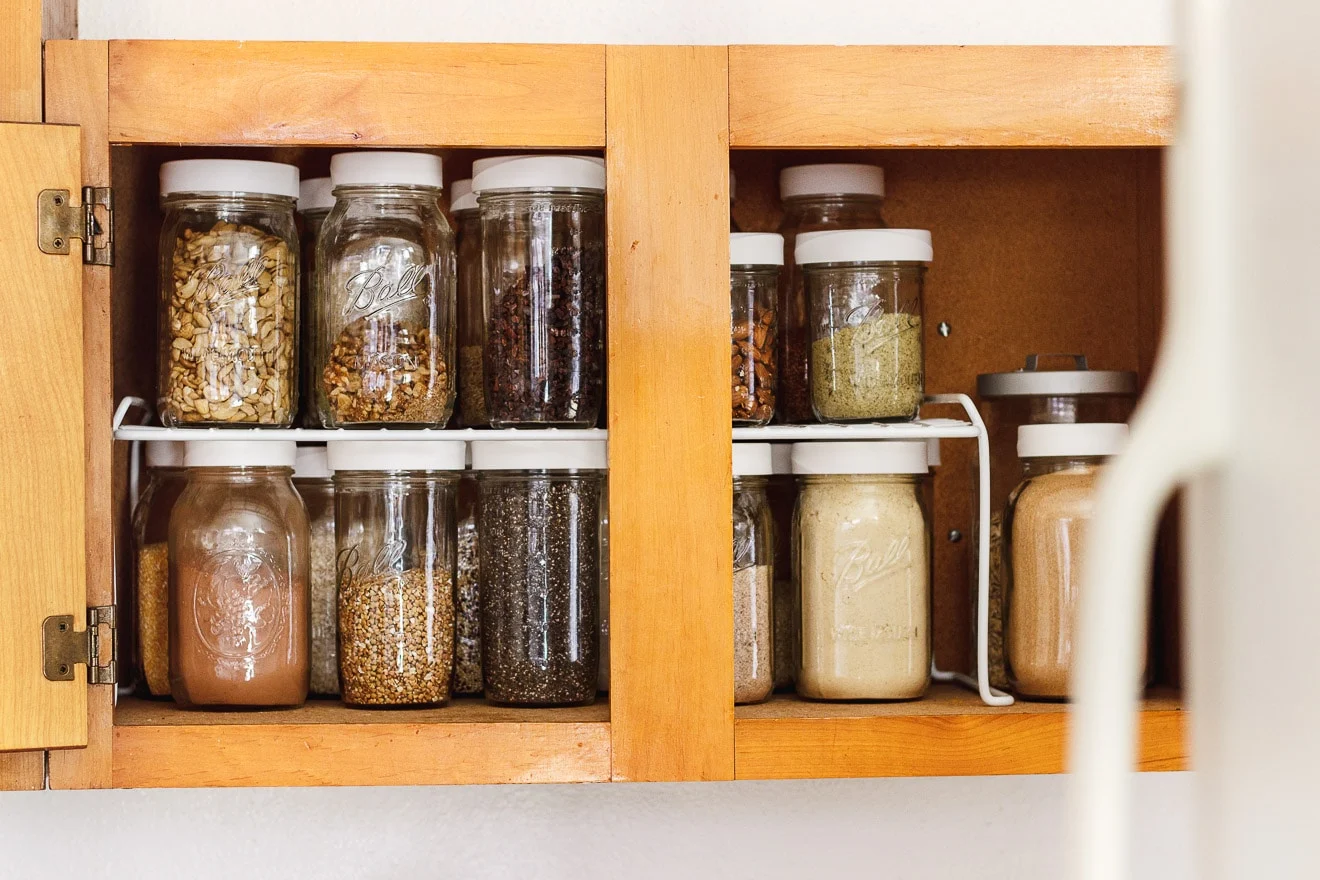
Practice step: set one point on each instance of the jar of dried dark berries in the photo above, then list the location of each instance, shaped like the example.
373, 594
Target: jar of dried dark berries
543, 244
539, 509
755, 261
471, 306
386, 263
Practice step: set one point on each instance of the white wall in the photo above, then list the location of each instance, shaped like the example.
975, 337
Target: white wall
905, 829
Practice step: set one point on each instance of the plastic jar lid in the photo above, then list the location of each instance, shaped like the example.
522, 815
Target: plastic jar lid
316, 194
164, 453
228, 176
539, 172
239, 453
1085, 440
1078, 382
534, 455
461, 196
756, 249
864, 246
386, 168
752, 459
311, 463
832, 178
395, 455
781, 458
933, 452
861, 457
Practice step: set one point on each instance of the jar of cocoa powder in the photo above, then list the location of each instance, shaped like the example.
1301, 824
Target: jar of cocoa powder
755, 260
240, 558
543, 246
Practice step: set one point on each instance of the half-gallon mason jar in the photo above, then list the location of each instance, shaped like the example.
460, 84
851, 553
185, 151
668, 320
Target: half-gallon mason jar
314, 204
385, 349
239, 568
311, 477
863, 551
543, 240
539, 514
471, 306
228, 293
166, 479
1045, 535
753, 574
755, 261
864, 286
815, 197
395, 506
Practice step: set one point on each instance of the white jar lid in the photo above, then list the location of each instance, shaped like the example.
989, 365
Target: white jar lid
756, 249
461, 196
864, 246
311, 463
539, 172
1084, 440
164, 453
752, 459
861, 457
395, 455
539, 455
386, 168
781, 456
239, 453
933, 452
832, 178
316, 194
228, 176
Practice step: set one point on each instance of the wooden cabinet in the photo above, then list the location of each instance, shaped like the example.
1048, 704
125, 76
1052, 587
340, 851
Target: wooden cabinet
1048, 240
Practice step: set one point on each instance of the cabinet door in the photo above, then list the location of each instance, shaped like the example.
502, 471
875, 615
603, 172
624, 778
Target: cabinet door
42, 465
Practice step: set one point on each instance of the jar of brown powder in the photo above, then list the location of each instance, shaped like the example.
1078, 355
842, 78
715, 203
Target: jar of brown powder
239, 553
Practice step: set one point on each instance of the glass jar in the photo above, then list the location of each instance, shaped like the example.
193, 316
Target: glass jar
539, 515
395, 529
467, 593
311, 477
781, 490
471, 307
864, 286
815, 198
1045, 529
862, 545
151, 564
755, 260
753, 574
239, 569
314, 204
228, 352
603, 679
385, 347
543, 245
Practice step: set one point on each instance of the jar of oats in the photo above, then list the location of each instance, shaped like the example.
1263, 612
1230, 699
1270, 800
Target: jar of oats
228, 293
386, 263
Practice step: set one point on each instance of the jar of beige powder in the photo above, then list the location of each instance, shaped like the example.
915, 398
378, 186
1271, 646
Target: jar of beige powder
863, 549
1045, 534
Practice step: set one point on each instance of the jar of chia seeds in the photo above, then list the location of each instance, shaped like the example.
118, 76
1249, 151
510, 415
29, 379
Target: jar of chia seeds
539, 513
865, 291
395, 537
753, 574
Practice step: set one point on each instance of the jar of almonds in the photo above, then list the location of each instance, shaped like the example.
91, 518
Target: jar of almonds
755, 261
228, 293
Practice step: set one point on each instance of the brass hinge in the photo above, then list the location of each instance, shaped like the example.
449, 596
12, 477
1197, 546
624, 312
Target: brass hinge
63, 647
59, 222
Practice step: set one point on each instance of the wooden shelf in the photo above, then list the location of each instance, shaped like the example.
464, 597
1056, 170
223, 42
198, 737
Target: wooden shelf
159, 745
949, 733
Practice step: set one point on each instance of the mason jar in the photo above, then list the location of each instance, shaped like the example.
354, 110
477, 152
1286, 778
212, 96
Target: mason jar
311, 477
753, 574
395, 529
228, 274
862, 542
539, 512
385, 348
239, 568
781, 489
865, 286
755, 261
543, 244
314, 203
166, 479
467, 593
471, 306
1045, 535
835, 195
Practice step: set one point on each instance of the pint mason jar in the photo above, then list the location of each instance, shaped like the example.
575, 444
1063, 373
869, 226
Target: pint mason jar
239, 568
395, 506
228, 278
314, 204
867, 356
471, 307
753, 574
543, 243
385, 348
755, 261
166, 479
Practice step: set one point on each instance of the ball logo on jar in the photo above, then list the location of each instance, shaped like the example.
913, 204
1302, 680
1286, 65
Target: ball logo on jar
352, 564
238, 604
858, 567
372, 291
219, 287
